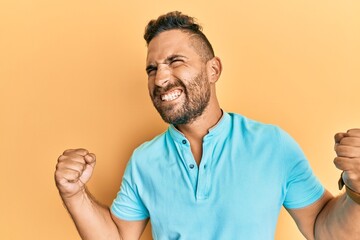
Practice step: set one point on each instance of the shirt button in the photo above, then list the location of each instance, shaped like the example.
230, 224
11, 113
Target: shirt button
191, 166
205, 166
184, 141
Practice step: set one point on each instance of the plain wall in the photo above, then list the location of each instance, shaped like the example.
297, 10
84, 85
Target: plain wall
72, 74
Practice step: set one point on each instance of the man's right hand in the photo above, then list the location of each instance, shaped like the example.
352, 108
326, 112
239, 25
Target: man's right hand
73, 170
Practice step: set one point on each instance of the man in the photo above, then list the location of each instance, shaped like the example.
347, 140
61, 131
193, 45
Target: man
212, 174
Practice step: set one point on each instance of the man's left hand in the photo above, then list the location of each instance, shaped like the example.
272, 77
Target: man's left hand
347, 147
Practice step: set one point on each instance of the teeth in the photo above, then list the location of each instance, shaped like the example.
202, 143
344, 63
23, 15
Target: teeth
171, 95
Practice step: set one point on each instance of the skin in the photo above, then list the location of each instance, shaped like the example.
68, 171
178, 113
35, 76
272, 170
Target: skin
171, 43
193, 94
328, 218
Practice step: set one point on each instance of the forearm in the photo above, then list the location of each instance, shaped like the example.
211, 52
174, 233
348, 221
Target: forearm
92, 220
339, 219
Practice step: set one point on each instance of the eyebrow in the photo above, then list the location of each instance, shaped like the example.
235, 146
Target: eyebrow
174, 56
167, 60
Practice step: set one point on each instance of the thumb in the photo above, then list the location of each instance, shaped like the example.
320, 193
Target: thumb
90, 159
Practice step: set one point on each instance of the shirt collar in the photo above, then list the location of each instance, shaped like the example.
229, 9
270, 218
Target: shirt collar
220, 129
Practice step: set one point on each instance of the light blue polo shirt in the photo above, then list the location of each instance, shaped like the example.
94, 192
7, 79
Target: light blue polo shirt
247, 172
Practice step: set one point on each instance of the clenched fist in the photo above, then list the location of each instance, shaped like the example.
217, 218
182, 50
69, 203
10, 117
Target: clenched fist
347, 147
73, 170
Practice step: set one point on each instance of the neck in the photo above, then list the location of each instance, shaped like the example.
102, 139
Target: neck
197, 129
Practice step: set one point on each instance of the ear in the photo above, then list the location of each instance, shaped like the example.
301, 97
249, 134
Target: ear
214, 68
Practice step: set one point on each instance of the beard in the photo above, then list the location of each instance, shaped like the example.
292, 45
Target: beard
197, 97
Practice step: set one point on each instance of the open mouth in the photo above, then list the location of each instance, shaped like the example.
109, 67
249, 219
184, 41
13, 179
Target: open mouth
170, 96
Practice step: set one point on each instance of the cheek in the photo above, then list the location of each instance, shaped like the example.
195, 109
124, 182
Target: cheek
184, 76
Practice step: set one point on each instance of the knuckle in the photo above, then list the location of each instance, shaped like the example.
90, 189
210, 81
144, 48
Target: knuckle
81, 151
59, 166
68, 151
57, 175
354, 132
337, 162
338, 137
61, 158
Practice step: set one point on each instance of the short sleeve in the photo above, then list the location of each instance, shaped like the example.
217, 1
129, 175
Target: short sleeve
302, 186
128, 204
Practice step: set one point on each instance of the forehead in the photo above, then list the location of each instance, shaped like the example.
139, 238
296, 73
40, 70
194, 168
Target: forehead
169, 43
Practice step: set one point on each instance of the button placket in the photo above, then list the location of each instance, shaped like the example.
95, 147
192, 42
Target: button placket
189, 162
187, 152
203, 174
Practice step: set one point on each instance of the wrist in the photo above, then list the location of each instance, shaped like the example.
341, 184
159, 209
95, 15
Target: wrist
75, 198
354, 196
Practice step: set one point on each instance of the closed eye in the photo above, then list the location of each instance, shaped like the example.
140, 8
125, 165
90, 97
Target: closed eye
150, 69
175, 59
176, 62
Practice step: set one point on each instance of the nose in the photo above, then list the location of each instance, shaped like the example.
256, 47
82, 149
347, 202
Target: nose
162, 75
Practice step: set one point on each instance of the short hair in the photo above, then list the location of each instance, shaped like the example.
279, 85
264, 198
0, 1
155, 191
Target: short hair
176, 20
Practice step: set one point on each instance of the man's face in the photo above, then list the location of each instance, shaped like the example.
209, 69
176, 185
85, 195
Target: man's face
177, 80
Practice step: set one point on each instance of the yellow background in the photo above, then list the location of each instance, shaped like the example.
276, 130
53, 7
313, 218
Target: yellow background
72, 75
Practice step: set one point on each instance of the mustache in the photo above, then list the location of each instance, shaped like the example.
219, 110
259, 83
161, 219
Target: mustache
161, 90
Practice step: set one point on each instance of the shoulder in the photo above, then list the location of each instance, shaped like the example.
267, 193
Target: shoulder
255, 130
148, 154
152, 146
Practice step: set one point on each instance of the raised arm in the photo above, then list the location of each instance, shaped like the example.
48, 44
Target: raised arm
336, 218
340, 218
92, 219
